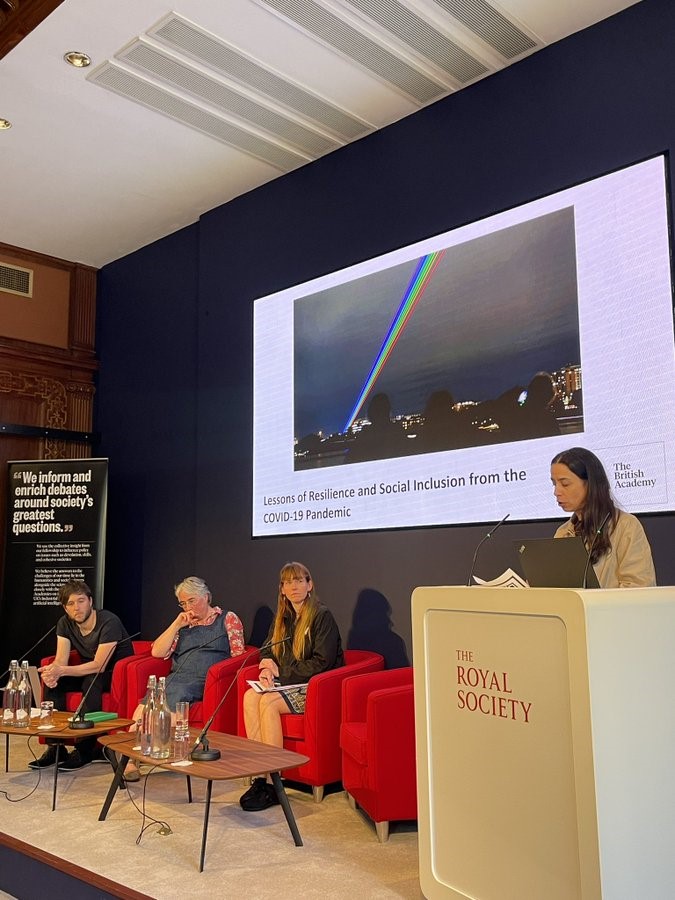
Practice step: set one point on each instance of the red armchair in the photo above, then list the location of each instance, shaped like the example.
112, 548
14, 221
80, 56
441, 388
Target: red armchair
218, 679
113, 701
377, 738
316, 733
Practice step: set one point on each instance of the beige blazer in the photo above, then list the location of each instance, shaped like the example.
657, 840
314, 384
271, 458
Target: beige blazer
629, 561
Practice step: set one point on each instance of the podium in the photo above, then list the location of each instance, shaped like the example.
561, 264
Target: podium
545, 724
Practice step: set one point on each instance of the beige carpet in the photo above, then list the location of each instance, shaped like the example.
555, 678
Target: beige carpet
247, 854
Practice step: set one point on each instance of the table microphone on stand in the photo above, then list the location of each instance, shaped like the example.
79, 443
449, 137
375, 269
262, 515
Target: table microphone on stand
480, 544
205, 753
78, 721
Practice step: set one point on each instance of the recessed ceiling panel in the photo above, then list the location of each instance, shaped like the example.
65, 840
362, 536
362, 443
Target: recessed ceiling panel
133, 87
229, 61
183, 76
358, 46
490, 25
421, 36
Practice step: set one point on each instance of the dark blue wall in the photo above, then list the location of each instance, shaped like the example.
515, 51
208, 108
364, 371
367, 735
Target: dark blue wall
146, 412
175, 391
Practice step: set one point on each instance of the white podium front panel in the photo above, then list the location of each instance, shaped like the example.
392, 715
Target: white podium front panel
546, 743
502, 683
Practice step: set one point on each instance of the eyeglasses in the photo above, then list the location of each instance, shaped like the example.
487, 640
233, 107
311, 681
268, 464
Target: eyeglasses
297, 580
184, 604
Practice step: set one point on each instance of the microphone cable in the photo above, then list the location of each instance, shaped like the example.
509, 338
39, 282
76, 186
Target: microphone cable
584, 580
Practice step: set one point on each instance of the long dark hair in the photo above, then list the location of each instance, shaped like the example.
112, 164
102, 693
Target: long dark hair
285, 615
599, 504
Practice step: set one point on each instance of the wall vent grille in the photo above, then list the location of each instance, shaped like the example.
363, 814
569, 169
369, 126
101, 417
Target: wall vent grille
16, 280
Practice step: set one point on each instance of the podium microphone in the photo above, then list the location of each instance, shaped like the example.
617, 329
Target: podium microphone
584, 580
26, 654
205, 753
480, 544
78, 721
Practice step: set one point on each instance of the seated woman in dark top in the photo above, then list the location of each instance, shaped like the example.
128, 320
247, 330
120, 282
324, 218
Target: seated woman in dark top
313, 646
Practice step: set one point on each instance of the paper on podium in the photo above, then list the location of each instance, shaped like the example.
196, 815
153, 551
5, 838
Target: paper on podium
508, 578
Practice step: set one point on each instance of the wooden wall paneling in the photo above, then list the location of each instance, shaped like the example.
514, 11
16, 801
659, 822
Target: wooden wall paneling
19, 17
82, 321
49, 387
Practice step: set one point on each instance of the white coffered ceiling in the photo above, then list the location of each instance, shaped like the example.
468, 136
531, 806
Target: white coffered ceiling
188, 106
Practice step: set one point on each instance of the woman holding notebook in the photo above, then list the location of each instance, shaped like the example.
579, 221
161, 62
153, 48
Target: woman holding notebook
616, 541
304, 640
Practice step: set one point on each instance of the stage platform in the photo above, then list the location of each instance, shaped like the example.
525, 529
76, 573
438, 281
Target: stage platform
69, 854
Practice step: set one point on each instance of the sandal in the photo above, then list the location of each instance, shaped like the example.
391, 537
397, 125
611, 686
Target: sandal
131, 772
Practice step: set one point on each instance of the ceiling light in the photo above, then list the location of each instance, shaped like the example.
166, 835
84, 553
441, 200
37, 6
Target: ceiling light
77, 59
5, 124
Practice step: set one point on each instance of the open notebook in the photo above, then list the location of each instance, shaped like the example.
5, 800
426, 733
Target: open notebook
293, 694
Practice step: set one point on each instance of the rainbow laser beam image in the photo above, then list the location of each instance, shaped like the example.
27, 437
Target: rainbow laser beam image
416, 287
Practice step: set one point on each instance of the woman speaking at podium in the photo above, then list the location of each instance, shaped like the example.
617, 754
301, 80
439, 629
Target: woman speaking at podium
618, 546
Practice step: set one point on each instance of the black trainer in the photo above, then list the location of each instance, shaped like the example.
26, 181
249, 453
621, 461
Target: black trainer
272, 795
47, 759
73, 761
256, 790
260, 795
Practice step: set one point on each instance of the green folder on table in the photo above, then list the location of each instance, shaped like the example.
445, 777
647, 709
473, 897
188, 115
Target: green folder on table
98, 716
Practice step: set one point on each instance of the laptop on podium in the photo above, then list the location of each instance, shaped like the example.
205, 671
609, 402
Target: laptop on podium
556, 562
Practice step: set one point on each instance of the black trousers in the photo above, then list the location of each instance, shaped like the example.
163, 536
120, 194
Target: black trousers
93, 686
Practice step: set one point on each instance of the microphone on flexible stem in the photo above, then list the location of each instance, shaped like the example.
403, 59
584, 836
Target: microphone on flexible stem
584, 581
26, 654
78, 721
206, 754
480, 544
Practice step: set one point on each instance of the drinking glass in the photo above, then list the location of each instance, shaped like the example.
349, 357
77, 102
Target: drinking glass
46, 714
183, 718
181, 743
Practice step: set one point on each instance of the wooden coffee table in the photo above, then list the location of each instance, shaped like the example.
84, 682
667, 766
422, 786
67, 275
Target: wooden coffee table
240, 758
60, 735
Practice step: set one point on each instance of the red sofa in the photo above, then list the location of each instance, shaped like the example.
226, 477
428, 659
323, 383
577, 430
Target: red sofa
377, 739
316, 733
